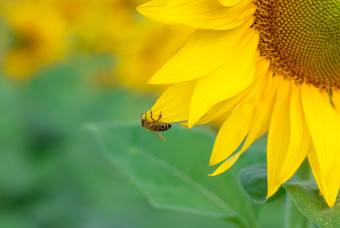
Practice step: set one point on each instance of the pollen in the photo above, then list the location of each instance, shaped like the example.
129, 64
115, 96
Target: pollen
301, 38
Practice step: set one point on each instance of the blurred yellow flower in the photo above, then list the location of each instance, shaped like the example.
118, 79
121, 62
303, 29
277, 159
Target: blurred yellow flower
98, 25
265, 66
146, 49
38, 37
46, 31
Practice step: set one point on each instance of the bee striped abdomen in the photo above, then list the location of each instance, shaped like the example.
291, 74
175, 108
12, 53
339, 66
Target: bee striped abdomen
162, 126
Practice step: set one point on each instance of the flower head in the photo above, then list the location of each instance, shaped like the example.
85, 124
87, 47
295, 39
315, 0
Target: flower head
264, 66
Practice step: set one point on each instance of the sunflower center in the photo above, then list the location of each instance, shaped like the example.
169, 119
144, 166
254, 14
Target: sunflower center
301, 38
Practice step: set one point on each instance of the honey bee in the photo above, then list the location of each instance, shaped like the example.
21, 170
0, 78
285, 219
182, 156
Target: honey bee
155, 126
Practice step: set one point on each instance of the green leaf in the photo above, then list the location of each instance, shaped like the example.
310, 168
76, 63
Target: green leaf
173, 173
312, 205
253, 180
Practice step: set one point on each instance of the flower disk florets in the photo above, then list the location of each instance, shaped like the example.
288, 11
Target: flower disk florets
301, 39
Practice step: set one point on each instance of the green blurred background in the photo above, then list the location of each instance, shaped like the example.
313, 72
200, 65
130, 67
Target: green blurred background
66, 64
52, 172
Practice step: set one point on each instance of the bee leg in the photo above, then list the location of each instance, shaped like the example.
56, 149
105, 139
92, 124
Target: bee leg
151, 115
160, 116
159, 135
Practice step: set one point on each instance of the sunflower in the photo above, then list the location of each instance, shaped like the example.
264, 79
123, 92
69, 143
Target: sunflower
264, 66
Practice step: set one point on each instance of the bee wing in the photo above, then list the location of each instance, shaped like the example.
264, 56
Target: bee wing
159, 135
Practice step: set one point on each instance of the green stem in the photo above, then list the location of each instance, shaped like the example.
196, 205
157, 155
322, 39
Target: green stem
293, 217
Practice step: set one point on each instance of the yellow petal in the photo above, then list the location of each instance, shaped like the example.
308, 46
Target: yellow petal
204, 53
278, 137
323, 125
226, 164
154, 9
263, 110
329, 183
229, 3
232, 132
174, 102
248, 105
201, 14
233, 77
300, 141
223, 108
261, 115
263, 105
288, 139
